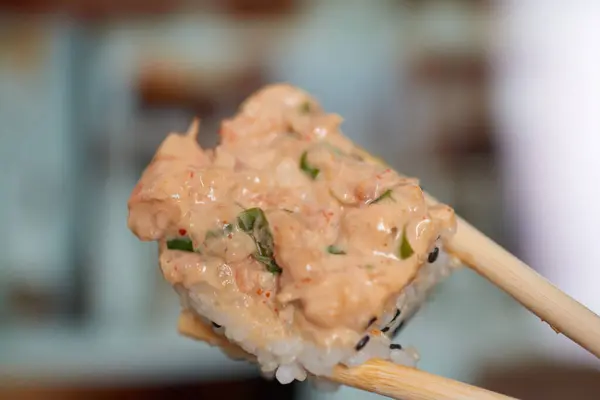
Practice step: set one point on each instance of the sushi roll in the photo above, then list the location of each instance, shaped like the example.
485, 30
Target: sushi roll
288, 240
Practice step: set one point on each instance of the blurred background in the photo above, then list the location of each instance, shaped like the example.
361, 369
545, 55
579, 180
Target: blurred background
493, 104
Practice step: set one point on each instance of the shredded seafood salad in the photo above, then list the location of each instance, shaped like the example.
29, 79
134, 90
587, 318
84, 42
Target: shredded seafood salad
286, 237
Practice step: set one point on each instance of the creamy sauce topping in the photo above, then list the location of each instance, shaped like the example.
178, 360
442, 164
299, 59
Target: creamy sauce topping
289, 229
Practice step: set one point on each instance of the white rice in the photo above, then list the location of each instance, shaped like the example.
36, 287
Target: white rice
297, 359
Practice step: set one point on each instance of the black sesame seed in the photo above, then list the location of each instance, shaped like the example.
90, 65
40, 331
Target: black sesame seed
388, 327
372, 321
433, 255
363, 342
395, 346
216, 325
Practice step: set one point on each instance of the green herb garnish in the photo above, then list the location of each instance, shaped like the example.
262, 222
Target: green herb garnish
385, 195
335, 250
248, 218
254, 223
182, 244
311, 171
406, 249
305, 108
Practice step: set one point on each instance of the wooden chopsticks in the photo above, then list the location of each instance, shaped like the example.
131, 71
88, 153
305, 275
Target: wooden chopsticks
377, 376
401, 382
559, 310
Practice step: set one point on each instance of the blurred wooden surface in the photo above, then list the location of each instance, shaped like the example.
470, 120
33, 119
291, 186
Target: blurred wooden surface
92, 9
255, 389
544, 382
193, 89
259, 8
99, 10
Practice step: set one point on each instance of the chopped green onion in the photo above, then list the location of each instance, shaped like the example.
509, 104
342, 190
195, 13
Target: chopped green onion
180, 244
311, 171
385, 195
406, 249
335, 250
254, 223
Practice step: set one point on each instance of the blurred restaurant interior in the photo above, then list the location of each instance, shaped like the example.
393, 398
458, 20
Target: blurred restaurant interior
89, 88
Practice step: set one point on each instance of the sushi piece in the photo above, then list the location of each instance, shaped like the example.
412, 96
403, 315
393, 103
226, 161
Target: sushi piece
288, 241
